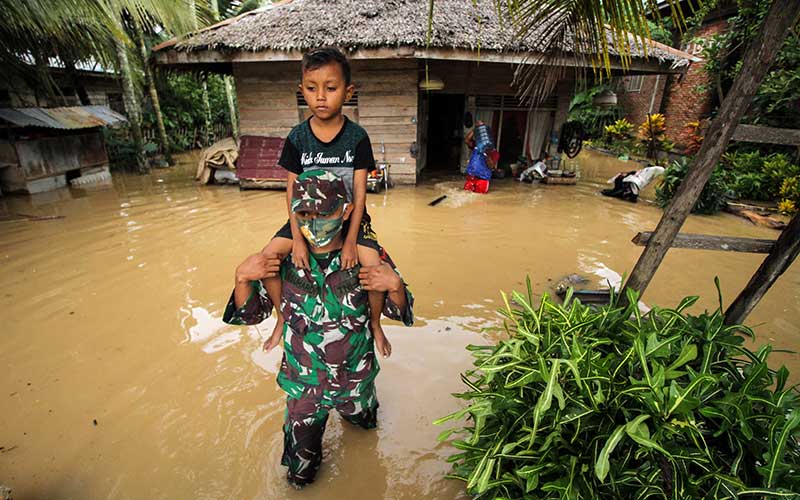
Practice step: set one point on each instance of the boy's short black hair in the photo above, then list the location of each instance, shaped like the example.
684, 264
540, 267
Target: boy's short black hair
320, 57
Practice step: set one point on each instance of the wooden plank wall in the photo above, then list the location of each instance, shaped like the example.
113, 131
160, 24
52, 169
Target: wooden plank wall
387, 105
267, 95
387, 109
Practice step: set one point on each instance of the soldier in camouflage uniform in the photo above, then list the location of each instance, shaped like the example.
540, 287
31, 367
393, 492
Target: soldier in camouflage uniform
328, 360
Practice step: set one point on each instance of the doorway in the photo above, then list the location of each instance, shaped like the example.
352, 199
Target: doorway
445, 133
512, 137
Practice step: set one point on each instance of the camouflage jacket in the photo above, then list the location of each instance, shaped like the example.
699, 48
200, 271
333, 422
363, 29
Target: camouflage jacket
325, 335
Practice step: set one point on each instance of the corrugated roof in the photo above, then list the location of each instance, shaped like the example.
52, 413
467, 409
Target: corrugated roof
67, 118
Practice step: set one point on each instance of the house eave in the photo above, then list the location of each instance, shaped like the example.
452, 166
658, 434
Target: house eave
221, 62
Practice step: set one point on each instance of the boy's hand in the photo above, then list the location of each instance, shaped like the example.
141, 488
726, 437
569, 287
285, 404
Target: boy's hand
382, 345
380, 278
349, 254
300, 253
258, 266
273, 342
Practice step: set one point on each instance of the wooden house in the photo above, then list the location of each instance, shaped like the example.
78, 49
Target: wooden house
414, 97
41, 149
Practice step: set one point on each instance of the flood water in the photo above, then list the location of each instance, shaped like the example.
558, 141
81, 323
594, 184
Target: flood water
120, 380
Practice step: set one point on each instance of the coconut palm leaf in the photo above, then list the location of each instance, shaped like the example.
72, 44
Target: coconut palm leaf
598, 33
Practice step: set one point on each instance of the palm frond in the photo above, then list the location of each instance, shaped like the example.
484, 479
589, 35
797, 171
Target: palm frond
598, 32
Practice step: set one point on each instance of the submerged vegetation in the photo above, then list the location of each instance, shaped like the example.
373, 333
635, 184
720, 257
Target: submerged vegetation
582, 402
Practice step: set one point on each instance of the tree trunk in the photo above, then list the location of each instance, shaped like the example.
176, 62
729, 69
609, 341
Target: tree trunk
75, 80
206, 104
229, 93
783, 253
132, 108
151, 86
206, 115
45, 85
229, 89
756, 62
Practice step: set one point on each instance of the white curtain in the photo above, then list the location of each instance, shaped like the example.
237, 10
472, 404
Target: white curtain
539, 125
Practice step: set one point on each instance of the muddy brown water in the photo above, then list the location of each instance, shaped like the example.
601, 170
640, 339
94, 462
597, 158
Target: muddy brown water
111, 315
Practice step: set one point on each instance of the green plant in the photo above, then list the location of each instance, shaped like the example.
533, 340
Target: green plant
753, 176
605, 403
787, 207
744, 162
652, 128
692, 137
712, 198
750, 186
651, 133
778, 168
593, 119
790, 195
775, 103
620, 130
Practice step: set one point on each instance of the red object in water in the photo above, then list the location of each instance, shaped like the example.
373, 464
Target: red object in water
476, 185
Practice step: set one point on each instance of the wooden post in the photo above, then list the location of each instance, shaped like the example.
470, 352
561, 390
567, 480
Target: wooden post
756, 62
779, 259
711, 242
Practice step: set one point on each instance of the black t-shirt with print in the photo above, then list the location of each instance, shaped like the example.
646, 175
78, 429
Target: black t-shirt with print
350, 150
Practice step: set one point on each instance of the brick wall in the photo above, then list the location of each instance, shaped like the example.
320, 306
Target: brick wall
637, 103
681, 98
688, 97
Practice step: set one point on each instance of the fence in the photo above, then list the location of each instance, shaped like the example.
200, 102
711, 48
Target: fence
189, 138
121, 151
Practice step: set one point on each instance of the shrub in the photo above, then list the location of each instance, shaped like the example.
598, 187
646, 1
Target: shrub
692, 137
620, 130
790, 195
604, 403
787, 207
744, 163
750, 186
593, 118
777, 169
651, 133
712, 199
652, 128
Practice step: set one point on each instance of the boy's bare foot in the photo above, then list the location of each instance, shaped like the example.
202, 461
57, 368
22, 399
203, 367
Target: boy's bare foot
277, 335
382, 345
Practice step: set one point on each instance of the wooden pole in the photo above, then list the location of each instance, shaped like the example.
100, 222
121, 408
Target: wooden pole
711, 242
756, 62
779, 259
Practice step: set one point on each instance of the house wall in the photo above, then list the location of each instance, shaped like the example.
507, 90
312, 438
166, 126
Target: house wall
688, 97
387, 109
681, 98
101, 89
47, 156
636, 103
387, 105
40, 164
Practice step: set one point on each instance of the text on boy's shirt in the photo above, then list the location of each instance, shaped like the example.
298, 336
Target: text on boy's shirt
320, 159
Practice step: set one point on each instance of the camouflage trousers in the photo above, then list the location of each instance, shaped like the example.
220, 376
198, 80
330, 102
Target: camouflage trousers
305, 421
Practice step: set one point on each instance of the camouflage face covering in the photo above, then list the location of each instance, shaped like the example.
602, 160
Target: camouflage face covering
320, 232
318, 191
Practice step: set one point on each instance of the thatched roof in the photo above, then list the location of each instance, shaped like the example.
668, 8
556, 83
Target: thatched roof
363, 24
